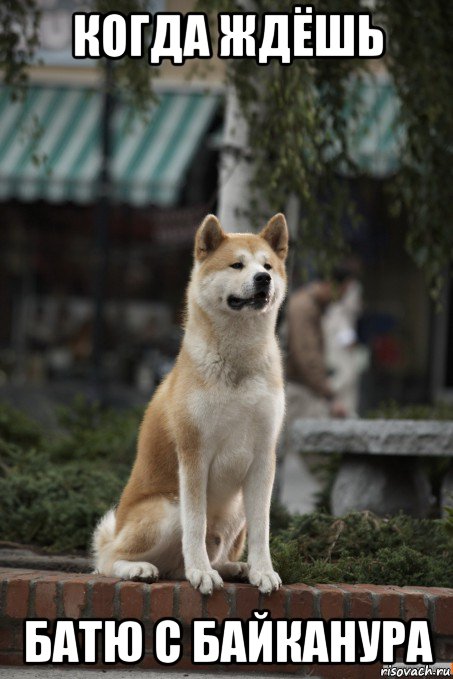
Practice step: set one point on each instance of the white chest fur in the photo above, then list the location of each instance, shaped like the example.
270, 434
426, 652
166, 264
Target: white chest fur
235, 424
239, 409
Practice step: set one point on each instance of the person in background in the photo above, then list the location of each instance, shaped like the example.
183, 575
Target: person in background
310, 393
346, 358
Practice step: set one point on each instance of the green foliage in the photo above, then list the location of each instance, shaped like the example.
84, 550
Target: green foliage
421, 63
133, 78
19, 41
325, 467
296, 113
449, 521
392, 410
98, 435
296, 117
53, 489
19, 38
17, 428
363, 548
55, 506
279, 517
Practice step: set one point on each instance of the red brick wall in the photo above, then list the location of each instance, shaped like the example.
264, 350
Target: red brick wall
47, 594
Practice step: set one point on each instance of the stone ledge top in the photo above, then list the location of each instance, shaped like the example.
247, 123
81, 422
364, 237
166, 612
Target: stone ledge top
27, 593
374, 437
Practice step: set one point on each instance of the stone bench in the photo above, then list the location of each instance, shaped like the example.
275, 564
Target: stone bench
380, 470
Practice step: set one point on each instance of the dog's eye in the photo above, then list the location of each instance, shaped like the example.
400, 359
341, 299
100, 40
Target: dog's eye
237, 265
268, 267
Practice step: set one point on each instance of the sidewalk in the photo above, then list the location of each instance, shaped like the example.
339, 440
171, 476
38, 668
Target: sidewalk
76, 672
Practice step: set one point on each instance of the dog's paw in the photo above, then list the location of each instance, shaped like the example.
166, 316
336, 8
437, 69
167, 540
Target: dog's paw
204, 580
266, 581
135, 570
237, 570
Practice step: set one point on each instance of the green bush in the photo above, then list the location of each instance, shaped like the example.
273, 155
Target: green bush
391, 410
18, 428
361, 547
53, 489
92, 433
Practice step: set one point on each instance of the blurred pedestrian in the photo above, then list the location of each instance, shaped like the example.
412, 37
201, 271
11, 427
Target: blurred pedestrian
309, 391
346, 358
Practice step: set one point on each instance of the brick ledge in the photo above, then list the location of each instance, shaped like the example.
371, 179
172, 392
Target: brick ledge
50, 594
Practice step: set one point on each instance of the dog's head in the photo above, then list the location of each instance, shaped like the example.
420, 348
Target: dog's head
240, 273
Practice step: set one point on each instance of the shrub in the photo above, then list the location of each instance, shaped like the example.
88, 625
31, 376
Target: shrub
16, 427
361, 547
53, 490
391, 410
92, 433
54, 506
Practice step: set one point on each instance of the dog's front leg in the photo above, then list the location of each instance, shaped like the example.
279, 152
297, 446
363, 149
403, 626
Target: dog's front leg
257, 500
193, 487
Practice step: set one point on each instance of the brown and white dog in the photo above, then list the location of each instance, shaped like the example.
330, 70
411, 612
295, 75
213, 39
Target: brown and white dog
206, 452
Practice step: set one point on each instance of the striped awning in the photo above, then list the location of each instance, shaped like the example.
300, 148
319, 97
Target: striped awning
375, 136
50, 145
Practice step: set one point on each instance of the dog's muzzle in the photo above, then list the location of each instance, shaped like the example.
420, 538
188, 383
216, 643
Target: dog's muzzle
260, 298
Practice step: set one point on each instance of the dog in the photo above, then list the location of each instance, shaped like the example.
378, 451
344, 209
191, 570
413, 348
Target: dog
205, 463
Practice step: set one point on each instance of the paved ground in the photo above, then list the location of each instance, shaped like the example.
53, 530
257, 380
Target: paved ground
75, 673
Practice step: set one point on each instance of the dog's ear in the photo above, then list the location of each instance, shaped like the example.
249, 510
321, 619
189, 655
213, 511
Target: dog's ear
276, 234
208, 238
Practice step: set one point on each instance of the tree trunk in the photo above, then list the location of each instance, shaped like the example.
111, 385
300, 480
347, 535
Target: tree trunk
236, 168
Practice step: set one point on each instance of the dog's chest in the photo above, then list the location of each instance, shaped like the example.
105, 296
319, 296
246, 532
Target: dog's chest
234, 423
227, 413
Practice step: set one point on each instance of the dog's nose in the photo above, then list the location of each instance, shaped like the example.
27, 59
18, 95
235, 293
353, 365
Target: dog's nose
262, 279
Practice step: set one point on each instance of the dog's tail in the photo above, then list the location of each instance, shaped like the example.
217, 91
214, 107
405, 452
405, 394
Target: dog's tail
102, 542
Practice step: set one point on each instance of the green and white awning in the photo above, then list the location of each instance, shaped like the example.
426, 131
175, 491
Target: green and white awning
375, 136
50, 145
50, 142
